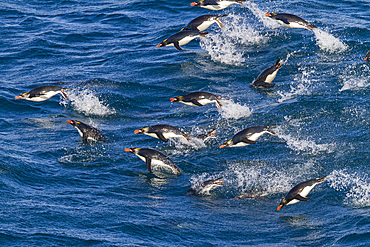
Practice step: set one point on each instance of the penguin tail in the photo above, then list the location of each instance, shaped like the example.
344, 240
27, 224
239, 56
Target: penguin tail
187, 137
64, 94
322, 179
223, 98
311, 27
240, 2
268, 129
218, 104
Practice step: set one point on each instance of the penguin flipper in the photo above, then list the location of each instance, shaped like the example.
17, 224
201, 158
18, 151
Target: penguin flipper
148, 162
177, 45
161, 137
195, 102
284, 20
266, 84
246, 140
301, 198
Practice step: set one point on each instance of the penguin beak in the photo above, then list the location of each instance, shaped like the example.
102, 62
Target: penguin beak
194, 4
222, 146
366, 58
159, 45
138, 131
268, 15
127, 150
19, 97
70, 121
173, 99
279, 207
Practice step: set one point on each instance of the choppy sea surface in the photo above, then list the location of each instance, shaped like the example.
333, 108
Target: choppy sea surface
58, 191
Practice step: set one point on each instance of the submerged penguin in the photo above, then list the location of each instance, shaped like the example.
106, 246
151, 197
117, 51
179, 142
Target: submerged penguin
367, 58
299, 192
215, 4
292, 21
165, 132
248, 136
205, 187
87, 132
182, 38
199, 99
43, 93
267, 76
154, 158
203, 22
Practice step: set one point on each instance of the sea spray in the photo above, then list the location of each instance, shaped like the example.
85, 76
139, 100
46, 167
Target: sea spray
256, 11
223, 46
232, 110
85, 101
355, 184
327, 42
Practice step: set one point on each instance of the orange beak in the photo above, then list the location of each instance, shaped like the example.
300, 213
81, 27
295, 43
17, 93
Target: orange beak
137, 131
159, 45
222, 146
128, 149
69, 121
366, 58
18, 97
173, 99
268, 15
280, 206
193, 4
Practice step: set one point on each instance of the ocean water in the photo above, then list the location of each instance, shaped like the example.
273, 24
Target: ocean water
58, 191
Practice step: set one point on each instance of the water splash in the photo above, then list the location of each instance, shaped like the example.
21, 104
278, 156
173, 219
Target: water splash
327, 42
356, 77
86, 102
223, 45
256, 11
232, 110
303, 144
302, 85
356, 185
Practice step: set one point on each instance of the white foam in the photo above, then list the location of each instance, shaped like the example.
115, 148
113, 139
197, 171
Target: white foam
296, 142
355, 83
222, 46
232, 110
301, 85
327, 42
197, 180
86, 102
356, 185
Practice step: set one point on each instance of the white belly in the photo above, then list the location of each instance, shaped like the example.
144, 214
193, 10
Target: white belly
221, 5
255, 136
271, 77
43, 97
241, 144
186, 40
293, 201
291, 24
205, 25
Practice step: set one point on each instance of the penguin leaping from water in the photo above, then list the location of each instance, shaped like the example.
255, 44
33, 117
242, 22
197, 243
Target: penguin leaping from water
267, 76
165, 132
299, 192
203, 22
289, 20
87, 132
199, 99
215, 4
182, 38
248, 136
153, 158
205, 187
43, 93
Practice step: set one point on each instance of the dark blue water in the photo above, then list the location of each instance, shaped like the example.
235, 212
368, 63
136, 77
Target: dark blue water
58, 191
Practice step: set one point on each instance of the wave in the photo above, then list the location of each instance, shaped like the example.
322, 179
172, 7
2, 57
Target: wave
356, 77
86, 102
232, 110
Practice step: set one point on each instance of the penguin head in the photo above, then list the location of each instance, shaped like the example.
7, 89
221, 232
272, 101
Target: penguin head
227, 144
283, 203
141, 130
23, 96
272, 15
163, 43
367, 58
176, 99
74, 122
132, 150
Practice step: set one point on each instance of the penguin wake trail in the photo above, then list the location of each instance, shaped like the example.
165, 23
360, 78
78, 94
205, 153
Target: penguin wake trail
86, 102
